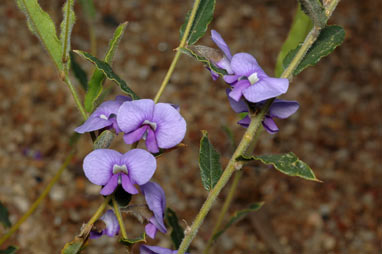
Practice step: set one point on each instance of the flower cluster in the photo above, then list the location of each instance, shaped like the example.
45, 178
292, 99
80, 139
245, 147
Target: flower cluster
162, 127
250, 85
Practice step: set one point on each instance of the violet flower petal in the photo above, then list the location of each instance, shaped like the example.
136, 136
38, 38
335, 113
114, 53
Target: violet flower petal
269, 125
265, 89
151, 142
140, 164
283, 108
92, 124
111, 221
245, 64
122, 98
245, 121
128, 186
145, 249
156, 201
98, 165
231, 78
151, 230
110, 185
171, 126
238, 89
216, 37
132, 114
237, 106
135, 135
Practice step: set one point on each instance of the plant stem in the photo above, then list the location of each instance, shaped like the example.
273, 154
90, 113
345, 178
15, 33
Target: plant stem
246, 140
39, 199
99, 211
119, 218
177, 55
75, 96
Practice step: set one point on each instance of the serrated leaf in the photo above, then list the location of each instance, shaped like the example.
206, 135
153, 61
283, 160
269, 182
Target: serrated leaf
177, 233
69, 18
132, 241
209, 163
238, 216
4, 216
108, 72
329, 38
288, 164
104, 140
301, 26
40, 23
315, 10
78, 72
209, 64
98, 77
9, 250
203, 18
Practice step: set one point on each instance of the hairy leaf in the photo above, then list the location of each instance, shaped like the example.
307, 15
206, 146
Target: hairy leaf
238, 216
208, 63
315, 10
78, 72
132, 241
329, 38
288, 164
9, 250
177, 233
66, 28
209, 164
40, 23
203, 18
108, 72
98, 77
4, 216
301, 26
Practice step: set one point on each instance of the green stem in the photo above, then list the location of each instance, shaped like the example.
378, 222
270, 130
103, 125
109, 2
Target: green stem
75, 96
39, 199
99, 211
177, 55
119, 218
246, 140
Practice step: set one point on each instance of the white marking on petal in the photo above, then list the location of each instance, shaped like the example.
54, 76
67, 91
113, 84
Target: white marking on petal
152, 125
253, 78
102, 116
119, 168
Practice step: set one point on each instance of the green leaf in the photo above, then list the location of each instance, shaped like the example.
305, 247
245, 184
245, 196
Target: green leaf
203, 18
98, 77
4, 216
78, 72
329, 38
9, 250
208, 63
73, 247
108, 72
80, 241
40, 23
66, 28
209, 164
132, 241
238, 216
315, 10
300, 28
177, 233
288, 164
104, 140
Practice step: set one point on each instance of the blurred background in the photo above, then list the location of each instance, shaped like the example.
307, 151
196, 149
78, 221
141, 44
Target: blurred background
337, 130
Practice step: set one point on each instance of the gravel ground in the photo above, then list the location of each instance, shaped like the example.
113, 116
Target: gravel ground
337, 129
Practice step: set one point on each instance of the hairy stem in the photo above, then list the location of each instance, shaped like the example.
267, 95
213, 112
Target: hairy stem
38, 200
246, 141
177, 54
75, 96
119, 218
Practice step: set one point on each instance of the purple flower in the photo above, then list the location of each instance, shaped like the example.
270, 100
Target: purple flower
111, 226
246, 76
103, 116
161, 125
110, 168
156, 201
279, 109
145, 249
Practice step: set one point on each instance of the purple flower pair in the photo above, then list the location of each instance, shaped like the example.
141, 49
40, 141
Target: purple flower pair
245, 75
279, 109
111, 226
160, 125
